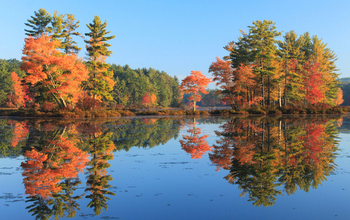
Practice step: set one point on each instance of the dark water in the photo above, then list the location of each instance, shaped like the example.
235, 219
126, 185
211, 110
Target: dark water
176, 168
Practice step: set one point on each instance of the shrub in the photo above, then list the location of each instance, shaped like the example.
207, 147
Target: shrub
255, 110
88, 103
48, 106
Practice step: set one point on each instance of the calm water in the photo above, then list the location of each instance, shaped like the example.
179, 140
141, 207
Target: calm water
175, 168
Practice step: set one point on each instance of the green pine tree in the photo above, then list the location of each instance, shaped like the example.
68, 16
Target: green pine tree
38, 23
100, 82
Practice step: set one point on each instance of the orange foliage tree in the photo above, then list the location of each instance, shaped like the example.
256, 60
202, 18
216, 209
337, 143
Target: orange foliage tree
236, 85
18, 97
61, 74
223, 75
153, 99
194, 85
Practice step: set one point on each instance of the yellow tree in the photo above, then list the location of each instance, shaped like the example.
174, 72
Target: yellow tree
339, 98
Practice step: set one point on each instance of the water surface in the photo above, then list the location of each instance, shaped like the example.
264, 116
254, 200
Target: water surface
175, 168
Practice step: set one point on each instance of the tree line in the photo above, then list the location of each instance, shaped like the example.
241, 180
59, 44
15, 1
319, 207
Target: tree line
259, 70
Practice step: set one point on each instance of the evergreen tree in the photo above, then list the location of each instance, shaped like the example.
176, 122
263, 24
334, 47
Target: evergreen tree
68, 44
100, 82
291, 50
263, 49
38, 23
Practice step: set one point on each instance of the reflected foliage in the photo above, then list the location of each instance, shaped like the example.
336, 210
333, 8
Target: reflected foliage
269, 156
193, 143
265, 157
57, 151
55, 154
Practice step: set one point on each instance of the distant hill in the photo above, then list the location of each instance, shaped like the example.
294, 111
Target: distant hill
344, 80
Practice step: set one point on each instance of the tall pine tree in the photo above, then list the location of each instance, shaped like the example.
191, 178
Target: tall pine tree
101, 81
38, 23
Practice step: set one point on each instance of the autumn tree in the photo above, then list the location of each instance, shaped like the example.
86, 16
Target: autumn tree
194, 84
149, 99
18, 96
61, 75
224, 77
100, 81
339, 98
6, 82
146, 99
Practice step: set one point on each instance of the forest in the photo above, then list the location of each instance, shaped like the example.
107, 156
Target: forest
262, 70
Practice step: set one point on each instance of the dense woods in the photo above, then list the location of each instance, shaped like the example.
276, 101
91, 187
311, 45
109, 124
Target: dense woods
132, 85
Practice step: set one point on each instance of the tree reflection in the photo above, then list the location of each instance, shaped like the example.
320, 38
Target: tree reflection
263, 154
101, 150
194, 144
148, 132
54, 161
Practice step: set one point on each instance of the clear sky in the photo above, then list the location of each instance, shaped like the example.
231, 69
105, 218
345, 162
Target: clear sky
178, 36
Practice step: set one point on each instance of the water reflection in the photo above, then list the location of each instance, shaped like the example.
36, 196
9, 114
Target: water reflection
57, 151
263, 154
193, 143
67, 162
54, 161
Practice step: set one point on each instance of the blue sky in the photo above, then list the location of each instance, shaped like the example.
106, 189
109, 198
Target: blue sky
183, 35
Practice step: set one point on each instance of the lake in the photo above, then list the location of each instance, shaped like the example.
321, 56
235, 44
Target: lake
279, 167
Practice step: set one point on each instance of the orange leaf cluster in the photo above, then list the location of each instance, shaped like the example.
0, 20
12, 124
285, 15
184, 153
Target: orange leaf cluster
235, 84
19, 96
44, 170
20, 132
193, 144
149, 99
62, 74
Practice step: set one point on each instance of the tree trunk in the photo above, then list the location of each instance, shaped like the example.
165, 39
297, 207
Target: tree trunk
262, 91
279, 95
58, 101
285, 85
268, 90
